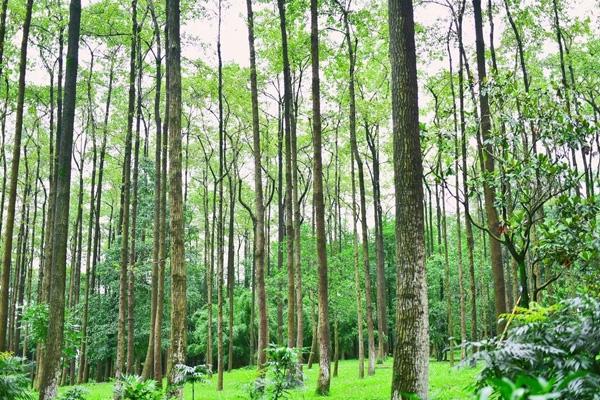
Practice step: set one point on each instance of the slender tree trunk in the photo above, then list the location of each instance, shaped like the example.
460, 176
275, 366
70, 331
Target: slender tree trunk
148, 370
50, 361
357, 283
134, 205
231, 271
14, 176
280, 222
361, 184
411, 347
125, 206
324, 340
220, 215
288, 220
486, 152
163, 250
259, 242
459, 249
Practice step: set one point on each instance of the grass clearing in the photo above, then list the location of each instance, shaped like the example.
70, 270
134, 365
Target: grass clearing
445, 383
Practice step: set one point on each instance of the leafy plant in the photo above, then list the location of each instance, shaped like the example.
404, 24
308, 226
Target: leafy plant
281, 374
563, 346
196, 374
75, 393
14, 379
132, 387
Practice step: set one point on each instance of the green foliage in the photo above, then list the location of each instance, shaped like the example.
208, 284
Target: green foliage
561, 344
74, 393
14, 378
132, 387
187, 374
37, 318
280, 376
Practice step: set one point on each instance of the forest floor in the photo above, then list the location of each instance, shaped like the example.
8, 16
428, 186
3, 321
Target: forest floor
446, 383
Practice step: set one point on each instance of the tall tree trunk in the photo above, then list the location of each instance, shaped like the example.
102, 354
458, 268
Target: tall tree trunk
50, 361
125, 205
411, 347
162, 251
288, 219
220, 215
280, 221
148, 370
14, 176
230, 271
357, 283
486, 152
91, 280
362, 196
133, 227
382, 323
459, 249
324, 340
259, 241
177, 353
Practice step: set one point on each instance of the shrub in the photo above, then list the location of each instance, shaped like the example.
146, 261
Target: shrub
75, 393
14, 379
560, 344
281, 374
132, 387
197, 374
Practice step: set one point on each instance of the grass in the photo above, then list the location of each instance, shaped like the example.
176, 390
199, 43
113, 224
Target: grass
445, 383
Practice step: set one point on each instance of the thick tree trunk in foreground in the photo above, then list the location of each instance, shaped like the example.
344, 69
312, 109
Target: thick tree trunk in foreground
50, 361
324, 340
177, 352
14, 175
411, 347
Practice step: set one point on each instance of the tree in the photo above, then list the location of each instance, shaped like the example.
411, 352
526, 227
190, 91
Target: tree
14, 176
486, 155
50, 361
411, 347
178, 339
259, 229
324, 340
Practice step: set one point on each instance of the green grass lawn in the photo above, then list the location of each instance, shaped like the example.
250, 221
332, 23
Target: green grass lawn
445, 383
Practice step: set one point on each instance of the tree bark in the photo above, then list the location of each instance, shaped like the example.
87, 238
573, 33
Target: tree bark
324, 340
148, 370
259, 242
178, 341
411, 347
50, 361
125, 205
486, 152
14, 176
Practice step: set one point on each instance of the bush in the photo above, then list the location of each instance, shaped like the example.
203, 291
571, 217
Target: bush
560, 344
14, 379
75, 393
197, 374
132, 387
281, 374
